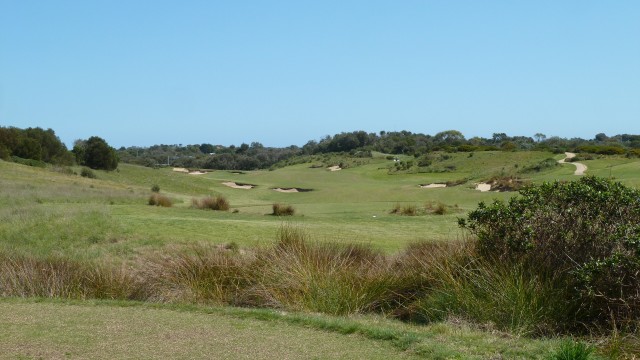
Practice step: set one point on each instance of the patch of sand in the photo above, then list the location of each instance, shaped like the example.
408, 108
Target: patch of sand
236, 186
483, 187
182, 170
580, 167
432, 186
334, 168
292, 190
197, 173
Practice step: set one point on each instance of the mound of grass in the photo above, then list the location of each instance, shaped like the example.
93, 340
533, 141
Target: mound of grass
218, 203
282, 210
160, 200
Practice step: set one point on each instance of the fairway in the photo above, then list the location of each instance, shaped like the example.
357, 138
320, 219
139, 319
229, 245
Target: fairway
44, 211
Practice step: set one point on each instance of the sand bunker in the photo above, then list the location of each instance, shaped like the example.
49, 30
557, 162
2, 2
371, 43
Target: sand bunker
433, 186
334, 168
197, 173
483, 187
291, 190
182, 170
238, 186
287, 190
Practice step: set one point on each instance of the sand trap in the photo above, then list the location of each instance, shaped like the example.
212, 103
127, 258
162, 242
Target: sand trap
334, 168
287, 190
237, 186
182, 170
433, 186
580, 168
483, 187
197, 173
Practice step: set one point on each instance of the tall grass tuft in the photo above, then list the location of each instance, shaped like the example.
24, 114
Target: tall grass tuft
159, 200
573, 350
29, 276
201, 274
219, 203
282, 210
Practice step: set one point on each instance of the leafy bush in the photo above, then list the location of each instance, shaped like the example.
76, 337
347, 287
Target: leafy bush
282, 210
218, 203
88, 173
587, 231
155, 188
159, 200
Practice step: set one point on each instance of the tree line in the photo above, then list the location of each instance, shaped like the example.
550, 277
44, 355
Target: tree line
36, 146
256, 156
44, 146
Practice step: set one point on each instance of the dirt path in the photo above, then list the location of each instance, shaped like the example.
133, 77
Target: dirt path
580, 167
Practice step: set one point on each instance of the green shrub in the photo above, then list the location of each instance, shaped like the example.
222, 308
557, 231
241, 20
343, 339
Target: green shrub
159, 200
282, 210
88, 173
155, 188
587, 232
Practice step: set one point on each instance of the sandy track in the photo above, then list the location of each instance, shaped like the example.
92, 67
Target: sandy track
580, 167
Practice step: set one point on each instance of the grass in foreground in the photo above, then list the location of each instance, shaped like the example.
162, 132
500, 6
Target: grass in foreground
52, 329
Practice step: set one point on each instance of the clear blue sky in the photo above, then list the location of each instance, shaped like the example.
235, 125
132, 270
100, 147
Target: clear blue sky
285, 72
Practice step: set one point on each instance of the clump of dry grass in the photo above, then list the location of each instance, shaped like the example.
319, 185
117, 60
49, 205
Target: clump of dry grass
282, 210
218, 203
160, 200
407, 210
29, 276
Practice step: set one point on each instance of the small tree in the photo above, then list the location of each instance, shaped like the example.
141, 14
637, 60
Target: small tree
96, 154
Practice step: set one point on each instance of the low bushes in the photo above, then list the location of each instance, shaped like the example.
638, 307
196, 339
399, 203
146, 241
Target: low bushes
88, 173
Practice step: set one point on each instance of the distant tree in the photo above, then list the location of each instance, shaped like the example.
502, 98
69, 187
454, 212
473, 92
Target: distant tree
207, 148
499, 137
540, 137
450, 137
601, 137
96, 154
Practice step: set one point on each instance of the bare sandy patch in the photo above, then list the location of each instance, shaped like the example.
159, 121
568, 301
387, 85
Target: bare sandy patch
231, 184
334, 168
433, 186
483, 187
182, 170
197, 173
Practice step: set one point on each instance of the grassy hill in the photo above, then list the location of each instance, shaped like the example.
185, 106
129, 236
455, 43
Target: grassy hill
52, 211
